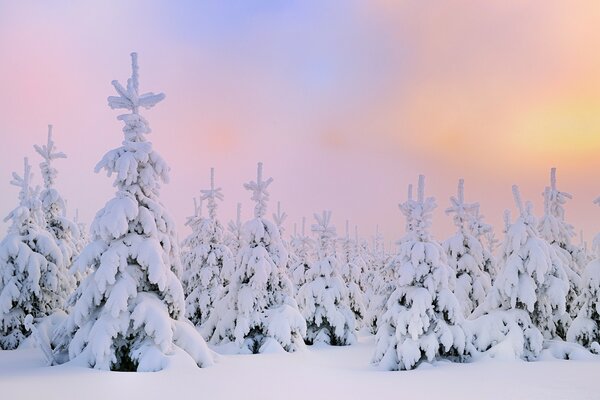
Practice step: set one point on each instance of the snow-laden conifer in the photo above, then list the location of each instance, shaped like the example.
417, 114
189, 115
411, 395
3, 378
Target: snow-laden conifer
323, 298
64, 230
351, 268
258, 311
423, 320
380, 277
32, 279
531, 279
558, 233
466, 255
129, 312
233, 236
302, 245
206, 259
585, 328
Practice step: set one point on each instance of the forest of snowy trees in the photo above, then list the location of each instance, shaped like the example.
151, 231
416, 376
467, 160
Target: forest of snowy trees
127, 293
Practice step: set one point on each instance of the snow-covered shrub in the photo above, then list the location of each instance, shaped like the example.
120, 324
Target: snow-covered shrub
205, 257
323, 298
423, 320
31, 278
258, 311
466, 255
129, 311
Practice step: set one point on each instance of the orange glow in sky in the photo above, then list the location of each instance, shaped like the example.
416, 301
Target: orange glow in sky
345, 102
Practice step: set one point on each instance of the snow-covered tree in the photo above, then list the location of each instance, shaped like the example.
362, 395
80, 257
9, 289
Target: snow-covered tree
585, 328
555, 230
466, 255
423, 320
258, 311
302, 245
279, 218
351, 269
31, 278
380, 277
484, 233
233, 237
205, 257
129, 312
531, 278
65, 231
323, 298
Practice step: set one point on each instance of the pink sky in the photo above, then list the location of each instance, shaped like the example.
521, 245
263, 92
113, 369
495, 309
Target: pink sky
345, 102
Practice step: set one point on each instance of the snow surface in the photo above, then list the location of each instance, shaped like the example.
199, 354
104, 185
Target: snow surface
327, 371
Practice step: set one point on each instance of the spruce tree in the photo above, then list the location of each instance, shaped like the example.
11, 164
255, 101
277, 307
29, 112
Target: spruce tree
531, 277
585, 328
65, 231
32, 280
422, 320
258, 311
558, 233
324, 298
206, 257
129, 311
381, 274
302, 245
351, 269
466, 255
233, 237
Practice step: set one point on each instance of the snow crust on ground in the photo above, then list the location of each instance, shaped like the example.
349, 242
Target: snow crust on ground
317, 372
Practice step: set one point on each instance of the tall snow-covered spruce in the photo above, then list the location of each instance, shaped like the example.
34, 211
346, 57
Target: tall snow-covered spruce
585, 328
205, 259
32, 280
527, 300
466, 255
555, 230
65, 231
423, 320
258, 312
323, 298
129, 312
351, 268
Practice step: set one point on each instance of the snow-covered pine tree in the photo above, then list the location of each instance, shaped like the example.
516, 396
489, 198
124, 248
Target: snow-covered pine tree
191, 241
205, 257
585, 328
129, 312
233, 237
531, 278
258, 311
351, 269
324, 298
380, 277
302, 245
423, 320
555, 230
279, 218
83, 232
358, 258
466, 255
31, 278
65, 231
485, 234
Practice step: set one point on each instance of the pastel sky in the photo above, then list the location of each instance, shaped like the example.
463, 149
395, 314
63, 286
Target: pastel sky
345, 102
